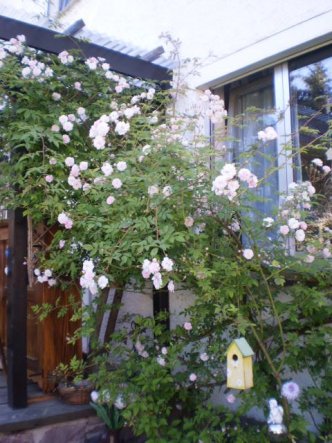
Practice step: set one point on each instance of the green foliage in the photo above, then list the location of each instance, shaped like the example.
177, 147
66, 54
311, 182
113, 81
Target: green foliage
110, 415
164, 208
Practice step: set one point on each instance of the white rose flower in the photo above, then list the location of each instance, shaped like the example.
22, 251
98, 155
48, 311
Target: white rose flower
121, 166
293, 223
152, 190
167, 191
69, 161
94, 396
203, 356
167, 264
116, 183
171, 286
107, 169
300, 235
161, 361
317, 161
268, 222
102, 282
248, 254
119, 402
83, 166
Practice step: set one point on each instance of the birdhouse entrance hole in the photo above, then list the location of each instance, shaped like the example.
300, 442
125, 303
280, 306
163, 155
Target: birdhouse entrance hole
235, 357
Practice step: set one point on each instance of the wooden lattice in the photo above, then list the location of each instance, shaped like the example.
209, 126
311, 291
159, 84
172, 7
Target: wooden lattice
40, 237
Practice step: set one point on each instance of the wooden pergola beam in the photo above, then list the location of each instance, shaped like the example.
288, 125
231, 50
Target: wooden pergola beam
55, 42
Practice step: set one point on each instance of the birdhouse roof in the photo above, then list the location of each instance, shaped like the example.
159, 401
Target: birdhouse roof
244, 347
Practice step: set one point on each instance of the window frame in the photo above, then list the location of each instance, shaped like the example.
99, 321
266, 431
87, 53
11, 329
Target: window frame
281, 87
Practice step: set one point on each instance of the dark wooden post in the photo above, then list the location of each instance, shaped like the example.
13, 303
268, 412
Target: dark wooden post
161, 304
17, 310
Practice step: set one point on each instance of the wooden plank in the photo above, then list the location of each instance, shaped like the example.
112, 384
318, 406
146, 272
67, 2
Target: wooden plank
39, 398
47, 340
54, 42
17, 310
35, 394
4, 232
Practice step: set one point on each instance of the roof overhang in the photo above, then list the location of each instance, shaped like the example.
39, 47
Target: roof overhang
284, 45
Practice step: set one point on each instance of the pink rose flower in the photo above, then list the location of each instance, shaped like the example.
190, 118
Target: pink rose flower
110, 200
69, 224
192, 377
49, 178
284, 229
187, 326
65, 139
230, 398
244, 174
188, 222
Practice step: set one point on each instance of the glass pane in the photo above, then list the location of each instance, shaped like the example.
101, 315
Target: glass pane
311, 100
63, 4
257, 110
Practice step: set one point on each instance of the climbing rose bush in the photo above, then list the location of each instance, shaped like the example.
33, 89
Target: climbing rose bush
125, 184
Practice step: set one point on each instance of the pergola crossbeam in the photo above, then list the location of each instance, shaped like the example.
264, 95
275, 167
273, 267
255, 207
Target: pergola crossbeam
55, 42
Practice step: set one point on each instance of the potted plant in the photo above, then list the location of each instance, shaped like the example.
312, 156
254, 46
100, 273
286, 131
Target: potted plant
71, 385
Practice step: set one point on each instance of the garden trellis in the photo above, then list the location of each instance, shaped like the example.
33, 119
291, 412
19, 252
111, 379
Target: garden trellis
52, 42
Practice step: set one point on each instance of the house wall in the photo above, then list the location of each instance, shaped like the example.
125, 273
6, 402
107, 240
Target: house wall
236, 32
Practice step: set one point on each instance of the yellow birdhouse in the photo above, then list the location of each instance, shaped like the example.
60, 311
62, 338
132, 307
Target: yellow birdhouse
239, 364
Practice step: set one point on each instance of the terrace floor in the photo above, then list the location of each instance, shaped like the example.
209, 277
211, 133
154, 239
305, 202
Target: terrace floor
43, 409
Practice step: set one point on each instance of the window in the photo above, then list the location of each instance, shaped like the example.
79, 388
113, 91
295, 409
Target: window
296, 99
63, 4
253, 100
311, 116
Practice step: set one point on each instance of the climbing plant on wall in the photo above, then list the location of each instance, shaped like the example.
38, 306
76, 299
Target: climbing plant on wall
138, 199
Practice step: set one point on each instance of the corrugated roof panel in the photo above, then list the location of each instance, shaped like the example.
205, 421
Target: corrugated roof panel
86, 34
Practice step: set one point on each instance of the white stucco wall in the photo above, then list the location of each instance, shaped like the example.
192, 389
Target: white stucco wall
237, 32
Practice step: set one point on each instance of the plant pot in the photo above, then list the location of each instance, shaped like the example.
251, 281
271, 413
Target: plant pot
75, 393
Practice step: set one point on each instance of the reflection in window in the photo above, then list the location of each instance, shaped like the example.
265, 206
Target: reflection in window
63, 4
256, 107
311, 101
